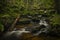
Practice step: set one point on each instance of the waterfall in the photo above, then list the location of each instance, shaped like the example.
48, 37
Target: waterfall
14, 35
17, 33
44, 29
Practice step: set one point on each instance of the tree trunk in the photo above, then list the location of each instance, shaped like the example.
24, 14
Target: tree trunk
14, 23
57, 6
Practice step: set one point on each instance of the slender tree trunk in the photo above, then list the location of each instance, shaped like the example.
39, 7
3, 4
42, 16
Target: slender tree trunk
14, 23
57, 6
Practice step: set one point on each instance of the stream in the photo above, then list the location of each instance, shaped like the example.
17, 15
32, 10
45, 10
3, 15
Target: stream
35, 32
39, 27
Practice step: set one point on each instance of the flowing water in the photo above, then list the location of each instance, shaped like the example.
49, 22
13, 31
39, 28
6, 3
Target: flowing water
15, 34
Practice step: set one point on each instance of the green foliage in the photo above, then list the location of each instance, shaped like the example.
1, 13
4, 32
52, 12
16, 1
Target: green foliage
25, 6
56, 19
1, 28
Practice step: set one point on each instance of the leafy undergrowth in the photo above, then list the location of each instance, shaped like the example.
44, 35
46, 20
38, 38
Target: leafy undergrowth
55, 19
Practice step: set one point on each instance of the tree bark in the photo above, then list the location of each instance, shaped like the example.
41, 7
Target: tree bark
14, 23
57, 6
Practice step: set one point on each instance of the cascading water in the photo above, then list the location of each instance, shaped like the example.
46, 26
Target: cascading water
43, 29
18, 32
14, 35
